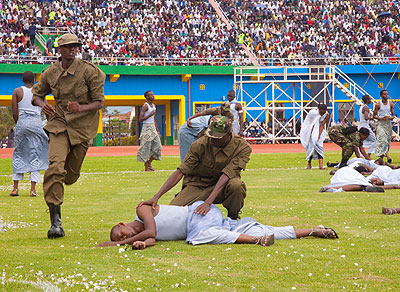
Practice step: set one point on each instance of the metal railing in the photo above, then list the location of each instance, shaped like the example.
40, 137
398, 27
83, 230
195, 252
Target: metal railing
137, 61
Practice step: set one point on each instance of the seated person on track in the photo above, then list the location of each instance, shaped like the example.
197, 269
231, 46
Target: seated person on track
167, 222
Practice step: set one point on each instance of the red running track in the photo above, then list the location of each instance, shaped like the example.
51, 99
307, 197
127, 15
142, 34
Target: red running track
174, 150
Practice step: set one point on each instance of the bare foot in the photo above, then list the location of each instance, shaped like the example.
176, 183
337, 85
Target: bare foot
322, 168
308, 166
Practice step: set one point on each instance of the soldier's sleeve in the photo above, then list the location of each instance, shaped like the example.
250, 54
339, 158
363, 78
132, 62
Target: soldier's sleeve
239, 162
211, 111
42, 88
95, 82
192, 158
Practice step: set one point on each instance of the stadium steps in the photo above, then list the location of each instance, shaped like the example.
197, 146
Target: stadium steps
230, 25
41, 35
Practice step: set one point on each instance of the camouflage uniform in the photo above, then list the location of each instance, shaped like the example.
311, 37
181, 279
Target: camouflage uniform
204, 164
346, 142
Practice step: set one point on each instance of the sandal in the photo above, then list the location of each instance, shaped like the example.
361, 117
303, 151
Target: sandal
326, 232
34, 194
387, 211
12, 194
261, 240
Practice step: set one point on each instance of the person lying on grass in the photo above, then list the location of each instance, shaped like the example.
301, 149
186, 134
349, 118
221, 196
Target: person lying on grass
168, 222
386, 177
349, 179
371, 163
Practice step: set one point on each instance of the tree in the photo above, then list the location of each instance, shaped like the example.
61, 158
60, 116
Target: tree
133, 126
6, 121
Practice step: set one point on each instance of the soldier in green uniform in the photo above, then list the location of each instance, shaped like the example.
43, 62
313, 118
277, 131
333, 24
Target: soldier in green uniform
211, 171
350, 140
223, 110
78, 90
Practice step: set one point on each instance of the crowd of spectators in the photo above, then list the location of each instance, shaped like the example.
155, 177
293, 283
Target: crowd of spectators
115, 30
294, 29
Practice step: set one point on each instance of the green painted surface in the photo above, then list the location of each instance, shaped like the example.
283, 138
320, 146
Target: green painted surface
169, 140
131, 70
98, 141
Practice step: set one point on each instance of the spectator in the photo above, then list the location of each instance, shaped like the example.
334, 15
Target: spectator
49, 44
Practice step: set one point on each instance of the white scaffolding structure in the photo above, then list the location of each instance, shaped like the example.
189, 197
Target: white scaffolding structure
263, 101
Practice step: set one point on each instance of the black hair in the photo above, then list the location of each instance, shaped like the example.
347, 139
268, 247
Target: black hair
349, 130
382, 91
112, 231
361, 169
380, 161
364, 131
28, 77
322, 106
147, 93
365, 98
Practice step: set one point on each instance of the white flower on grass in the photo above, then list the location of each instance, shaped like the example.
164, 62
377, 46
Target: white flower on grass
309, 274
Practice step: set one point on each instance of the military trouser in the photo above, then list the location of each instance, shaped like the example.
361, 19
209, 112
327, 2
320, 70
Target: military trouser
232, 197
336, 135
65, 166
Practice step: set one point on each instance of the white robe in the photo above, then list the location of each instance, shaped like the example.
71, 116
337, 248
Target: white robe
309, 135
348, 176
354, 162
387, 175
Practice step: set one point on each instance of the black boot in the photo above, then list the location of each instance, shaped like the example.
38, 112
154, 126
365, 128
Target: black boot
56, 229
234, 215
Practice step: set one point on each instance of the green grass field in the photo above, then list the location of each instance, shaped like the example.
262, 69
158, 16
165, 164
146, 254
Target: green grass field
280, 192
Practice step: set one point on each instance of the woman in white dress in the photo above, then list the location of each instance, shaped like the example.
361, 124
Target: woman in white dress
312, 134
365, 117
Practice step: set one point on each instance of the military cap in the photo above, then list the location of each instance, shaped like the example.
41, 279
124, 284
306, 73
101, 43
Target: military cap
226, 106
68, 39
219, 126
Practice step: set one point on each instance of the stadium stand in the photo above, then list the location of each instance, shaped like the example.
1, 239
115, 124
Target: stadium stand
190, 32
